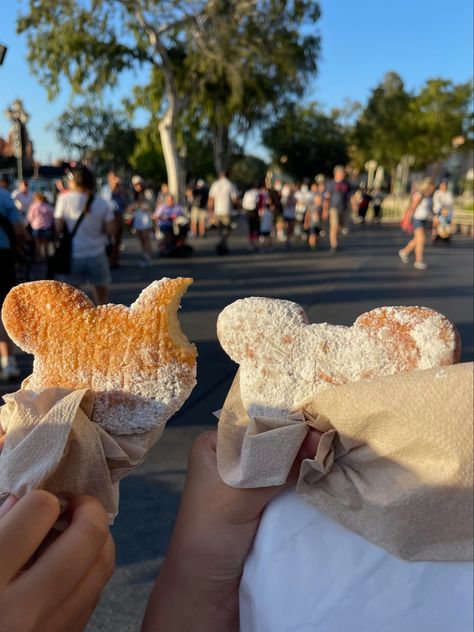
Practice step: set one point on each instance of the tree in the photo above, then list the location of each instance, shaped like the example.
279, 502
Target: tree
441, 112
396, 123
194, 48
247, 171
306, 142
386, 126
92, 132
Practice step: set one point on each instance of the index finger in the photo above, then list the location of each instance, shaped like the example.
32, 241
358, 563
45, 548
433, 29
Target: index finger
66, 561
23, 529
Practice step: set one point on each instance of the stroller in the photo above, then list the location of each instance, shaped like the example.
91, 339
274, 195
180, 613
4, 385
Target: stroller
442, 228
172, 236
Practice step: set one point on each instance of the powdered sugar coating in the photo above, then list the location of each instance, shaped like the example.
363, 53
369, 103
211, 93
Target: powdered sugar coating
283, 360
138, 362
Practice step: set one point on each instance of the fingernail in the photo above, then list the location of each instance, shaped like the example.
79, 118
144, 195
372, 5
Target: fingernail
8, 504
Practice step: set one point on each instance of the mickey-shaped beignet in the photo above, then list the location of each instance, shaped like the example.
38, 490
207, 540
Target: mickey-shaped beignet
285, 360
136, 360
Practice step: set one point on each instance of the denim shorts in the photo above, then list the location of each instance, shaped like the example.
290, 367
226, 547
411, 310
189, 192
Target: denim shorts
89, 271
420, 223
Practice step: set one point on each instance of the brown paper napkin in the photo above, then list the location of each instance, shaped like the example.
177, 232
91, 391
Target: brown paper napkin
394, 464
52, 444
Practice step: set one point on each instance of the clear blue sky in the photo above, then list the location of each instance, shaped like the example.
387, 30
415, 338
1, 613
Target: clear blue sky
361, 41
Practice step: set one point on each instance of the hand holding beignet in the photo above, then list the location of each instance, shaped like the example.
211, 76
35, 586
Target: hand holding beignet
136, 359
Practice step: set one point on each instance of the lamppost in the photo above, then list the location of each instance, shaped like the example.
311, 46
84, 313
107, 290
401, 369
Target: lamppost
18, 118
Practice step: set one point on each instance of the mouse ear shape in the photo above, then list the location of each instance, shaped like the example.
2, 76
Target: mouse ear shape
252, 327
157, 309
31, 310
418, 337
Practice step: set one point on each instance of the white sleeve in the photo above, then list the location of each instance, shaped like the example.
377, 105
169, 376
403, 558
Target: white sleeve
59, 208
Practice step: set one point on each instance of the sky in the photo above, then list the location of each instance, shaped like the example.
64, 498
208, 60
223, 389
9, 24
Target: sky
361, 41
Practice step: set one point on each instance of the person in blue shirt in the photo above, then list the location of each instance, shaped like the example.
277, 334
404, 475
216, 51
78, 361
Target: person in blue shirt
12, 231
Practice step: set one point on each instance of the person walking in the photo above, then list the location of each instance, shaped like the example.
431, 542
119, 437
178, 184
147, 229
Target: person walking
89, 264
40, 217
115, 192
338, 194
288, 201
12, 233
250, 206
22, 198
421, 209
222, 200
200, 196
140, 211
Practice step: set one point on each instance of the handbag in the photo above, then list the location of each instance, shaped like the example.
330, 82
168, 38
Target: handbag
60, 261
406, 223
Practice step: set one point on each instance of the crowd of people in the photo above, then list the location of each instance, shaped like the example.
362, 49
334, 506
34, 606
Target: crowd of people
275, 212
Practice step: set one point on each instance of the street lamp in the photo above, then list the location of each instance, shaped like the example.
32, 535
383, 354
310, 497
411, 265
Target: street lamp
18, 118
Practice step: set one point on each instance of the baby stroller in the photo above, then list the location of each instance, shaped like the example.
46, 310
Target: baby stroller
172, 238
442, 227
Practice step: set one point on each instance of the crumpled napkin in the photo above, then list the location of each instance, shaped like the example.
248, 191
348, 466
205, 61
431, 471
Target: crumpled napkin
394, 463
52, 444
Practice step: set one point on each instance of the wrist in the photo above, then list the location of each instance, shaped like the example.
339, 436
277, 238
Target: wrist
185, 598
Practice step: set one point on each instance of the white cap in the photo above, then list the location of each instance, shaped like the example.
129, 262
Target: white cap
137, 180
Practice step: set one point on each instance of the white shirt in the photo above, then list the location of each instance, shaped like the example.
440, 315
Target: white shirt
442, 199
223, 193
307, 573
423, 210
90, 240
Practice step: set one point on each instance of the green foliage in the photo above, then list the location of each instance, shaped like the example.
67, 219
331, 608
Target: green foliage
305, 141
396, 123
90, 131
384, 130
247, 170
147, 158
441, 112
226, 64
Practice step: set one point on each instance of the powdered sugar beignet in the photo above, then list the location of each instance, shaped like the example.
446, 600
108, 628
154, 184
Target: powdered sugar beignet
284, 360
140, 365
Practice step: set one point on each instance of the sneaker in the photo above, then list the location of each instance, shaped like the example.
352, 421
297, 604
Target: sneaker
420, 265
345, 231
404, 257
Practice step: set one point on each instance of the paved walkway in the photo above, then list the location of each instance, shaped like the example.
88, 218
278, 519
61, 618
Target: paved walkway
366, 273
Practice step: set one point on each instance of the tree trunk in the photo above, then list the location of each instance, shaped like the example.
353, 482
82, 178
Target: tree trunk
174, 169
220, 148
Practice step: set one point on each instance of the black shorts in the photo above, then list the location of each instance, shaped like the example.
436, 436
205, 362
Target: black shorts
7, 276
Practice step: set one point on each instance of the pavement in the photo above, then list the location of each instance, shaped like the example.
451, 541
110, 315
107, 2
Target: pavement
365, 274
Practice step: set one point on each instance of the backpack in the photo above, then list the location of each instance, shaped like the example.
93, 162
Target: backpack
250, 200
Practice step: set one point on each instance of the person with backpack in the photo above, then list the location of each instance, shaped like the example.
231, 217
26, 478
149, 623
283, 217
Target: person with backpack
90, 219
12, 232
